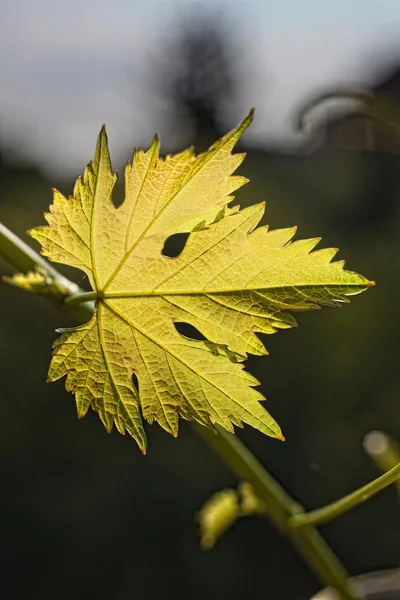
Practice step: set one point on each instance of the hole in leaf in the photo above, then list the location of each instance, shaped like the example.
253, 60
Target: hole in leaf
189, 331
175, 244
135, 381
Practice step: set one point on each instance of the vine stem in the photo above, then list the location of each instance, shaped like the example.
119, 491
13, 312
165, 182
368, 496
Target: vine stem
21, 256
335, 509
24, 259
282, 510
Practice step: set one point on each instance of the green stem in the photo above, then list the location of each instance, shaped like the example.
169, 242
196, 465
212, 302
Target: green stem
280, 507
24, 259
335, 509
244, 464
79, 299
21, 256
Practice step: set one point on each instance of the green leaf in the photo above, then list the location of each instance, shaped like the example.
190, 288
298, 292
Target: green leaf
231, 280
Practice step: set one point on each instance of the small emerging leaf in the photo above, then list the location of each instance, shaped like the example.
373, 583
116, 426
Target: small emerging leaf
219, 513
250, 502
222, 511
33, 281
40, 282
230, 281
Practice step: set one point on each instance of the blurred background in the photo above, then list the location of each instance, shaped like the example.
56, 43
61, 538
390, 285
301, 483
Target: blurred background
83, 514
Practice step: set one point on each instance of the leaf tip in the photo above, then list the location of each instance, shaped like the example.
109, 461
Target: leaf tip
251, 113
154, 148
141, 440
280, 437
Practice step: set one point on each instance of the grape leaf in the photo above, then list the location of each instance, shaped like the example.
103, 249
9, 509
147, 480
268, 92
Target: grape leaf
230, 281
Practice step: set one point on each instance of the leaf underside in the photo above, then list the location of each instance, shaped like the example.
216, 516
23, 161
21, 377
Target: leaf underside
231, 281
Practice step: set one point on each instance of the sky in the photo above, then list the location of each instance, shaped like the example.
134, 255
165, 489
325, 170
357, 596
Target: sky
71, 65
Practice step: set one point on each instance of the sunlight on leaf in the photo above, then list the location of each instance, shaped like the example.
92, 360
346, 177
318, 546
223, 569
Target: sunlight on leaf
230, 280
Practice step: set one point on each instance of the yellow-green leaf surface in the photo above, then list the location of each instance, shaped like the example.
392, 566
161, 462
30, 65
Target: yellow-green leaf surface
231, 280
